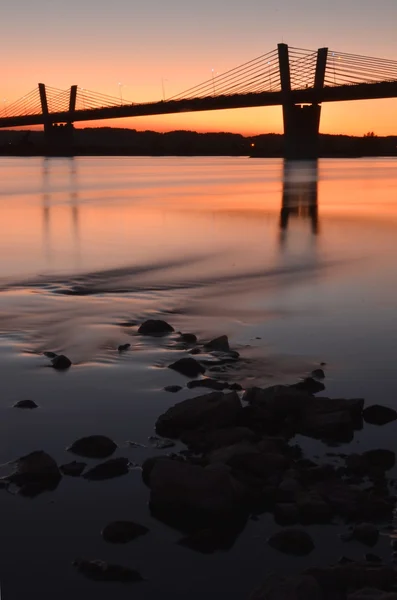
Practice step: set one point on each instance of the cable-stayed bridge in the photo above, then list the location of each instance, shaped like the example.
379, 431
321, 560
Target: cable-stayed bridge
297, 79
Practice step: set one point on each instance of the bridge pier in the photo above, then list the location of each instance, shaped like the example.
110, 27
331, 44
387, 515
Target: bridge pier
301, 122
58, 137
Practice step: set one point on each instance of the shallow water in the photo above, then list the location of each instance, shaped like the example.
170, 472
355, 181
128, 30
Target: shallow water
295, 262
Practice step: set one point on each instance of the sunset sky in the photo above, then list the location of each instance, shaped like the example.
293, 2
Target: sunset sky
97, 44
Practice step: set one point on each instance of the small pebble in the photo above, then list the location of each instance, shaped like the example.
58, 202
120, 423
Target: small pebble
124, 347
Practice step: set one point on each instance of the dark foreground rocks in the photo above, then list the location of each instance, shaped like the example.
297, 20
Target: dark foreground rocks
99, 570
93, 446
121, 532
114, 467
73, 469
188, 367
292, 541
155, 327
379, 415
35, 473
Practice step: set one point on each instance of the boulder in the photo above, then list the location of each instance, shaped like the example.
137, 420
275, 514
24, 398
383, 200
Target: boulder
219, 344
121, 532
25, 404
379, 415
188, 338
99, 570
93, 446
61, 362
155, 327
180, 486
292, 541
188, 367
35, 473
114, 467
212, 411
300, 587
73, 469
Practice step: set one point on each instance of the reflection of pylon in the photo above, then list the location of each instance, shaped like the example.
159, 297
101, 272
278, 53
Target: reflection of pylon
300, 190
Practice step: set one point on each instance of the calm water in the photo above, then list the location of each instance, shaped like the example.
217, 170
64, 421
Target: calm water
301, 256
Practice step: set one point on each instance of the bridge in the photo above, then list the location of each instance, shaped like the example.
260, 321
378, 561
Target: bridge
297, 79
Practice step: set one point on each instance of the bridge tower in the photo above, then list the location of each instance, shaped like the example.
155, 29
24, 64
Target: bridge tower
301, 122
58, 137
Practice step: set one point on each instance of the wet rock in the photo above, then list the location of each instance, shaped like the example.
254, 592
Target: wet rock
35, 473
309, 385
206, 441
212, 411
318, 374
73, 469
379, 415
338, 425
99, 570
217, 536
372, 594
61, 362
301, 587
195, 351
155, 327
313, 508
188, 367
292, 541
212, 384
235, 386
352, 576
373, 558
25, 404
50, 354
286, 513
93, 446
261, 465
161, 443
366, 533
173, 388
188, 338
114, 467
220, 344
180, 486
372, 460
121, 532
124, 347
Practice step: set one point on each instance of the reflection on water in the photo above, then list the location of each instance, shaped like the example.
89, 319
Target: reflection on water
300, 184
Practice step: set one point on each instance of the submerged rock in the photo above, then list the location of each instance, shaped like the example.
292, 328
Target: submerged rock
173, 388
114, 467
73, 469
155, 327
50, 354
211, 411
25, 404
220, 344
35, 473
188, 338
188, 367
121, 532
292, 541
124, 347
61, 362
93, 446
379, 415
100, 570
318, 374
212, 384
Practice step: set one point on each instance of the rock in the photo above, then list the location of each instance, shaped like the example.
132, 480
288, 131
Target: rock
373, 558
366, 533
286, 513
379, 415
73, 469
93, 446
188, 338
155, 327
212, 384
173, 388
235, 386
205, 441
25, 404
338, 425
372, 460
124, 347
188, 367
50, 354
61, 362
261, 465
309, 385
292, 541
313, 508
212, 411
372, 594
342, 579
98, 570
195, 351
35, 473
220, 344
121, 532
161, 444
180, 486
301, 587
114, 467
318, 374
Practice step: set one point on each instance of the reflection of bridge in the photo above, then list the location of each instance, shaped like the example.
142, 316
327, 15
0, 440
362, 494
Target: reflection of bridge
289, 77
300, 183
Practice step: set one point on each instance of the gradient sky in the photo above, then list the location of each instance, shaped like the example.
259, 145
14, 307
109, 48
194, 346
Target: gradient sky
97, 44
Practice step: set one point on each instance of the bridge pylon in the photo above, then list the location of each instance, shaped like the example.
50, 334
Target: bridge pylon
301, 122
58, 136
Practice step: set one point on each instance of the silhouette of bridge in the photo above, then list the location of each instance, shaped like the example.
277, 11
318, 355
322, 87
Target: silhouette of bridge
299, 80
